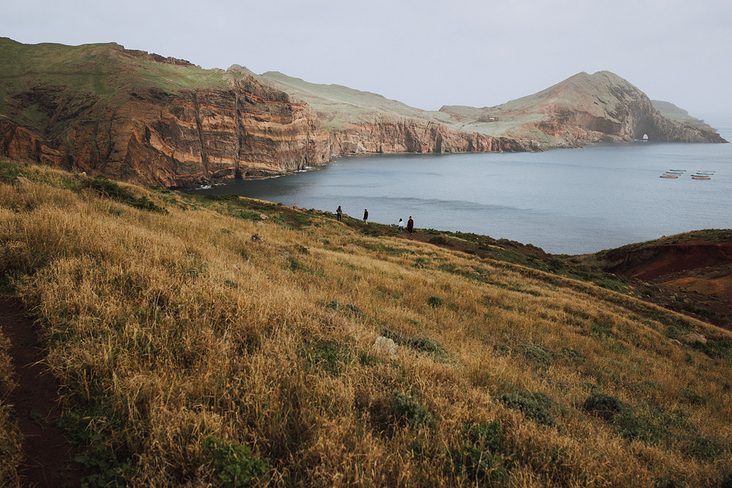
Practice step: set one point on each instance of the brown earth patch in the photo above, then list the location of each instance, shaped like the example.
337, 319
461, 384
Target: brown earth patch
650, 263
692, 276
48, 458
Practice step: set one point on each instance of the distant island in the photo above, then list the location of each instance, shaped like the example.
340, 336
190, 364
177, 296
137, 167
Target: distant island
148, 119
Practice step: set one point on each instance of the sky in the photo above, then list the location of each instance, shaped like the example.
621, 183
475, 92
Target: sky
426, 53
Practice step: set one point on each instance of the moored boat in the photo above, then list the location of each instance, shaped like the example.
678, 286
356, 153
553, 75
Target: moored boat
700, 177
668, 175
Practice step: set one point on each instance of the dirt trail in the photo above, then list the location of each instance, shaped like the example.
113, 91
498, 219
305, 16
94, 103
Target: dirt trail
48, 457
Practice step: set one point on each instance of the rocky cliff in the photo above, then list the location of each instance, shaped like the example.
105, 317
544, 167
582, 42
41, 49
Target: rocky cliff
415, 136
152, 120
158, 135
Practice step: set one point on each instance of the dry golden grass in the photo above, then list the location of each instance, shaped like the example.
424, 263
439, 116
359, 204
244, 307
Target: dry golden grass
10, 437
166, 329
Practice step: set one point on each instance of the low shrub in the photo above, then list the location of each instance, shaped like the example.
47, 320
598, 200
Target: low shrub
348, 309
435, 301
537, 354
235, 464
420, 344
480, 460
534, 405
486, 436
330, 356
439, 240
603, 405
407, 408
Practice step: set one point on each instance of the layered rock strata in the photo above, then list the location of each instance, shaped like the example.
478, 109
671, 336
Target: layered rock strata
174, 139
418, 137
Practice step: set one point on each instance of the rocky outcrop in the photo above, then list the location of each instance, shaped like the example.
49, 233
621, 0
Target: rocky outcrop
417, 137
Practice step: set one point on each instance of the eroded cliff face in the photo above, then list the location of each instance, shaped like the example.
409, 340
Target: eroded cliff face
174, 139
417, 137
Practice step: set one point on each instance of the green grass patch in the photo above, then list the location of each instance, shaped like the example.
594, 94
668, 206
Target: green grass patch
329, 356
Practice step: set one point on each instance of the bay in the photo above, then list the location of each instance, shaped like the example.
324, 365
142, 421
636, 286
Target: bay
569, 201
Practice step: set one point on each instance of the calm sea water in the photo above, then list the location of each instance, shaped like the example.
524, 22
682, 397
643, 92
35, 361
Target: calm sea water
569, 201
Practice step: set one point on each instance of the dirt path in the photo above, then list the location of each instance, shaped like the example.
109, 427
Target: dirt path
48, 457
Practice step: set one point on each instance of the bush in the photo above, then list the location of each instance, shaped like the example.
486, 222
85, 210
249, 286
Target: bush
348, 309
603, 405
435, 301
439, 240
481, 466
420, 344
406, 407
236, 465
330, 356
537, 354
628, 424
534, 405
485, 436
480, 459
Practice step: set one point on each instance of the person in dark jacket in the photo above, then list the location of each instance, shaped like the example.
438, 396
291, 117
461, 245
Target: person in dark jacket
365, 215
339, 213
410, 224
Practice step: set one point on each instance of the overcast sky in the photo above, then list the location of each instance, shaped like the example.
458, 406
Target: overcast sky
425, 53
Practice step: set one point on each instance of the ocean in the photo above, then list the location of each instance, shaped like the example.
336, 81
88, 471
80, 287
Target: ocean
568, 201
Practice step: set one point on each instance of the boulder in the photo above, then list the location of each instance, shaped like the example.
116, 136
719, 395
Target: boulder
689, 339
384, 345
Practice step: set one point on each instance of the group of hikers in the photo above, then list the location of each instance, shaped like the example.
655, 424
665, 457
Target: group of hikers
410, 222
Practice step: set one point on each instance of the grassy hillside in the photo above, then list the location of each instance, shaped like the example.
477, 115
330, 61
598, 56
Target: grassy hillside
672, 112
339, 105
229, 342
82, 76
98, 69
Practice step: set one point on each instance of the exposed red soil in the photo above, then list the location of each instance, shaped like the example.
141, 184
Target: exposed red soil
695, 272
48, 456
650, 263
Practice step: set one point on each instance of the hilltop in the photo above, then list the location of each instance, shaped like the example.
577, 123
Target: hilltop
586, 109
221, 341
154, 120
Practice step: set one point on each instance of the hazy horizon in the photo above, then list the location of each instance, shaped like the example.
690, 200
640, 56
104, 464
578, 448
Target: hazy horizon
424, 54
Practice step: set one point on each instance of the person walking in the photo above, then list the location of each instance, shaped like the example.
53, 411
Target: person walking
339, 213
365, 215
401, 225
410, 224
